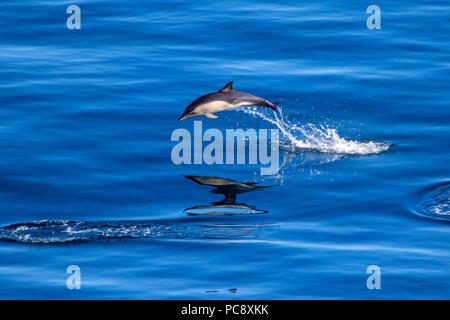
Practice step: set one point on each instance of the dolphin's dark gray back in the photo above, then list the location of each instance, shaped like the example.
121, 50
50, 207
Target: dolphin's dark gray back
228, 94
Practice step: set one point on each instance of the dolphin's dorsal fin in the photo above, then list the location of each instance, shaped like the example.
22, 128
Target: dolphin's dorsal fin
228, 87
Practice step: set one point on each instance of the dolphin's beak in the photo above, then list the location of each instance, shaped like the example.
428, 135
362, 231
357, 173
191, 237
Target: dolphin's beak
185, 116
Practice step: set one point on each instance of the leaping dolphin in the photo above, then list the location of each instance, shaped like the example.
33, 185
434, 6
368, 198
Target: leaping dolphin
225, 99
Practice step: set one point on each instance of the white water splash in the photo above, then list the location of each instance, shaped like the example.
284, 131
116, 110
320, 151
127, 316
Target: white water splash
318, 139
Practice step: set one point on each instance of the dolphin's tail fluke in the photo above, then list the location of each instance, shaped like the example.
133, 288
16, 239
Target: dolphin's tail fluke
274, 106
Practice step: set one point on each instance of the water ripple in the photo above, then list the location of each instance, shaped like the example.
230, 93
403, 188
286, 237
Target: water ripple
436, 204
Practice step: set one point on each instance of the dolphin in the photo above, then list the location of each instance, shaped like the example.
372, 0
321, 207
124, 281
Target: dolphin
227, 206
225, 99
227, 187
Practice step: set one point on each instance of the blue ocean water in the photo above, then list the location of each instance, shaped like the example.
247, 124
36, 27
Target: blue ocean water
87, 115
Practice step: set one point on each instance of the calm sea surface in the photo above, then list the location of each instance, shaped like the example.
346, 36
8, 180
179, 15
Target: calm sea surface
86, 118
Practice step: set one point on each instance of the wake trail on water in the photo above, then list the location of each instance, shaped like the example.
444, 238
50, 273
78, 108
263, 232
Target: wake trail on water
62, 231
309, 137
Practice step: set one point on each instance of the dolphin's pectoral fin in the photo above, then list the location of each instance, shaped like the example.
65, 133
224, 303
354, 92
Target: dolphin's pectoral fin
210, 116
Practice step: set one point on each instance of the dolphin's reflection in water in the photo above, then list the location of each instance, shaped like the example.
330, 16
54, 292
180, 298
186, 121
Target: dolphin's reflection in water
67, 231
227, 206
